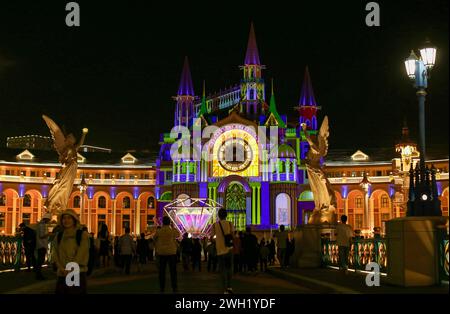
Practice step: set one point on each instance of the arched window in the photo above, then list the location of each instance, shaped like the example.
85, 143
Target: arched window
102, 202
76, 202
126, 203
151, 202
27, 200
283, 209
359, 202
3, 199
384, 201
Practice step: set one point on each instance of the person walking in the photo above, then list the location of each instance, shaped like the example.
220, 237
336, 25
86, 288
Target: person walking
117, 261
197, 255
263, 255
344, 234
29, 244
282, 241
151, 249
272, 252
42, 244
212, 255
142, 251
251, 250
166, 250
126, 249
186, 247
224, 230
103, 236
236, 252
205, 248
71, 245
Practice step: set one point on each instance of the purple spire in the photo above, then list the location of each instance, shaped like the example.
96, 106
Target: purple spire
252, 55
307, 93
186, 87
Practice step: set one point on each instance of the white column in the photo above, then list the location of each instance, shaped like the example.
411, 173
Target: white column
287, 165
89, 215
188, 165
13, 221
345, 206
371, 215
277, 165
366, 209
178, 170
392, 213
295, 170
137, 210
113, 223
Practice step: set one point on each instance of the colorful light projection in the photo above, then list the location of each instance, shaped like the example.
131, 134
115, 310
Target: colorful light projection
194, 216
235, 133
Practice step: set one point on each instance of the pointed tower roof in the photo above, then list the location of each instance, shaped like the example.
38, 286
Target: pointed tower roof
203, 109
307, 94
252, 55
273, 111
186, 87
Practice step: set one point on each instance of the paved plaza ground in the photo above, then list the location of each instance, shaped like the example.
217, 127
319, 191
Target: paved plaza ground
275, 281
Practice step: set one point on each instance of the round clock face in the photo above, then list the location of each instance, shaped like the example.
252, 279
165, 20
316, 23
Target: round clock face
235, 155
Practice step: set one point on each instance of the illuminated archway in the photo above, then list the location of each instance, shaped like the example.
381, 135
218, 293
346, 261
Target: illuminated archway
283, 209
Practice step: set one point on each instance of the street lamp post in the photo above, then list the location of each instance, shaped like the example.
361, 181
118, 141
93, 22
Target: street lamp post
422, 201
418, 70
82, 187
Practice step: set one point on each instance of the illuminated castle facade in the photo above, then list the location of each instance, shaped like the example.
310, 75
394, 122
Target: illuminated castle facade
258, 187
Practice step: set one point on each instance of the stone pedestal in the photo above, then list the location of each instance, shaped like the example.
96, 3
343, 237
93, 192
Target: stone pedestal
413, 250
308, 247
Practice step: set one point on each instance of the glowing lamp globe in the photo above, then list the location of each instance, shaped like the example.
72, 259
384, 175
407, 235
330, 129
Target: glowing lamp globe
410, 65
193, 216
428, 54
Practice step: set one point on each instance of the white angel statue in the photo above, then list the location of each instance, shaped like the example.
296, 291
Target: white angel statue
66, 148
324, 197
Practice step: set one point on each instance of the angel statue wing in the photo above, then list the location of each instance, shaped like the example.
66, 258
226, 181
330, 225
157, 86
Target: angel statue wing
324, 132
59, 140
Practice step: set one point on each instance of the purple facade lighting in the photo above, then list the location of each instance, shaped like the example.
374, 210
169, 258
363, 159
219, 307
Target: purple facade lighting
21, 190
113, 192
344, 191
391, 190
90, 192
44, 191
136, 192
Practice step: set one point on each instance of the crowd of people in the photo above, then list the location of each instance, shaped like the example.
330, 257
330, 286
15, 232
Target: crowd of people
224, 250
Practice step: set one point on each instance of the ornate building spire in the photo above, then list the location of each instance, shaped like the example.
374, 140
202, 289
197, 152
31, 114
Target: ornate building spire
252, 83
252, 55
307, 105
186, 87
184, 112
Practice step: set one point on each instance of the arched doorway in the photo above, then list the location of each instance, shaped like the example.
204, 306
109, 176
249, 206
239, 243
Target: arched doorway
236, 205
283, 209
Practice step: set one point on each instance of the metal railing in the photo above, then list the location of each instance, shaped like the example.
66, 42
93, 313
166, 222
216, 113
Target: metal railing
12, 253
362, 252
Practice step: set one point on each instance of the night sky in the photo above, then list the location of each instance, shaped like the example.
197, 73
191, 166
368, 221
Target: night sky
116, 73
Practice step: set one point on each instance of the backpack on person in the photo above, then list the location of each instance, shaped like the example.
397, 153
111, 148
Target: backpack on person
228, 238
78, 236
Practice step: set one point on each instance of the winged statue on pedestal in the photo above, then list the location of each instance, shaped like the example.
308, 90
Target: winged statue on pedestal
324, 197
67, 148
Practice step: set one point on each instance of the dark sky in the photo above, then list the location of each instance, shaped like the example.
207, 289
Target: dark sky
117, 72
